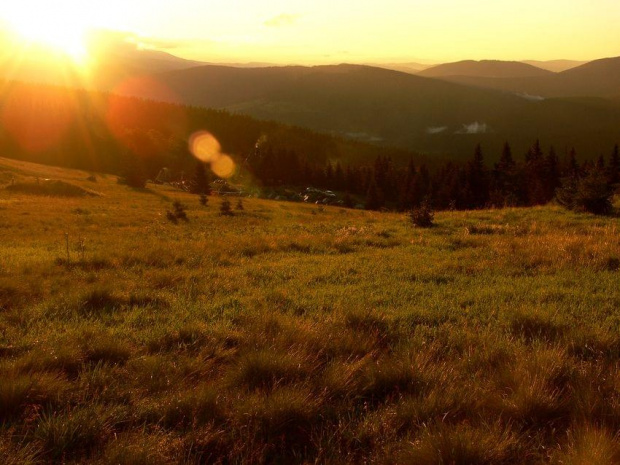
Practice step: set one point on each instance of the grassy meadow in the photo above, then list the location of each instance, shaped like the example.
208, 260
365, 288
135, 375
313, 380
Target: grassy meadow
290, 333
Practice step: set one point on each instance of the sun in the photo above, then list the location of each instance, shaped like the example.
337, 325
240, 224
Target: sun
70, 41
43, 24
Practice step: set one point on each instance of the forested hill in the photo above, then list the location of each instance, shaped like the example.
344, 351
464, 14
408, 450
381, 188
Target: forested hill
100, 131
426, 115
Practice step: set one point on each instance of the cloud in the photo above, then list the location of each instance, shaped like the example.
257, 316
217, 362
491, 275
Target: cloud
531, 98
436, 129
105, 41
281, 20
474, 128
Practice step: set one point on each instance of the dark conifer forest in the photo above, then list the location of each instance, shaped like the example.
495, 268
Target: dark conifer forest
136, 139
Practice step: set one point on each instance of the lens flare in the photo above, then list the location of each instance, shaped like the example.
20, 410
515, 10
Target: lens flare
223, 166
24, 117
206, 148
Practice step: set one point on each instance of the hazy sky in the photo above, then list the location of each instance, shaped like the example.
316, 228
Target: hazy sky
345, 30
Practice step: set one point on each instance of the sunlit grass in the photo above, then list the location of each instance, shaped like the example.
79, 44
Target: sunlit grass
291, 334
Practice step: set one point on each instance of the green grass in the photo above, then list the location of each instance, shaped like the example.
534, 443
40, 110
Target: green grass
289, 334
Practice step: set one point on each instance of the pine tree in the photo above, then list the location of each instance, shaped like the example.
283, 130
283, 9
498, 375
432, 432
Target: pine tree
347, 201
572, 168
135, 172
551, 176
477, 188
329, 175
373, 198
613, 168
505, 188
339, 181
200, 183
535, 175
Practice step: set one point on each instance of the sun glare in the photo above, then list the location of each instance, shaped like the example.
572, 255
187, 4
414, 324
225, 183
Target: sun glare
46, 28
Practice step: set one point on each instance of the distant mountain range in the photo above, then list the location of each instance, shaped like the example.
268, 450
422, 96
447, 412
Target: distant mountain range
599, 78
445, 109
395, 108
485, 68
410, 67
556, 66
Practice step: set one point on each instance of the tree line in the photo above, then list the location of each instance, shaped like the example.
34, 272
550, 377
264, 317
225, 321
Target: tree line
535, 179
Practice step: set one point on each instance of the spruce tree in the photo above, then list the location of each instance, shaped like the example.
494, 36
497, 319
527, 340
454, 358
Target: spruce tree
373, 198
572, 168
422, 216
535, 175
613, 168
551, 175
477, 187
506, 190
347, 201
135, 172
200, 183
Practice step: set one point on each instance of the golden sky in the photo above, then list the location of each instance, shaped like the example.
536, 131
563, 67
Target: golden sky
331, 31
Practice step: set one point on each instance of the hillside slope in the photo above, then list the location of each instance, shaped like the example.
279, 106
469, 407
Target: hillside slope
556, 66
599, 78
485, 68
292, 334
390, 107
100, 131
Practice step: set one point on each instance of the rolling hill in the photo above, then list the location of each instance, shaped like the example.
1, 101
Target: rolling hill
444, 115
556, 66
393, 108
410, 67
599, 78
102, 131
485, 68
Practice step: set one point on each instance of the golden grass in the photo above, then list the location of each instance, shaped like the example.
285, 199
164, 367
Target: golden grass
292, 334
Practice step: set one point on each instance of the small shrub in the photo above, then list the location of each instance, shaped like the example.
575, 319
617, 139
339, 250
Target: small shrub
178, 213
613, 264
179, 210
239, 205
204, 200
171, 217
225, 208
591, 194
422, 216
